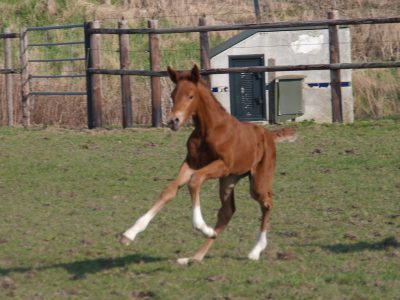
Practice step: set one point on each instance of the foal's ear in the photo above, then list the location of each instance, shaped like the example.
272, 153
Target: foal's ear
195, 75
173, 74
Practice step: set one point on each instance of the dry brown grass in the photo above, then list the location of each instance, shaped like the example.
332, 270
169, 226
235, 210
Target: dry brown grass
16, 102
377, 93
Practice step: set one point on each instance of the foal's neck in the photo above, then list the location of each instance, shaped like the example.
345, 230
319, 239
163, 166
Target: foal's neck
210, 113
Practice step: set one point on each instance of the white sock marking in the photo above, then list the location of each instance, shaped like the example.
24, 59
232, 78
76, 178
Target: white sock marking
199, 224
260, 245
183, 261
139, 226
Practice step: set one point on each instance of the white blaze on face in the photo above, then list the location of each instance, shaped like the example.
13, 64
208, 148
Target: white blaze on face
199, 224
260, 245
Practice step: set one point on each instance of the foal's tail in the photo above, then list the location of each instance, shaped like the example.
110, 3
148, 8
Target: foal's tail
284, 135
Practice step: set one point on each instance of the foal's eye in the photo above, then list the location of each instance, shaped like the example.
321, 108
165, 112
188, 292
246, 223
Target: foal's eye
190, 97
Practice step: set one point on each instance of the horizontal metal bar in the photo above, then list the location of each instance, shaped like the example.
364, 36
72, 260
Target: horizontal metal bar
55, 27
9, 35
55, 60
57, 76
260, 69
277, 25
9, 71
57, 93
56, 44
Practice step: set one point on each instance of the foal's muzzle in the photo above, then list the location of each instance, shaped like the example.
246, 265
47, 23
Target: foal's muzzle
174, 123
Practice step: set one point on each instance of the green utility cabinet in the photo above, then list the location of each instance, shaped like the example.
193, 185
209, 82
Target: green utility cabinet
286, 98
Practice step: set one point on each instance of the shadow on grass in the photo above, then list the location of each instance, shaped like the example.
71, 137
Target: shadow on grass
79, 269
361, 246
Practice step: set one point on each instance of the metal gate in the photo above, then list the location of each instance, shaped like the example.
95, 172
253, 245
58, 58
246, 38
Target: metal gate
29, 77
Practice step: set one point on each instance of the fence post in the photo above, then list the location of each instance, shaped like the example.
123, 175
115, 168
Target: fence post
257, 10
271, 91
334, 56
204, 50
25, 91
127, 119
93, 81
9, 85
156, 116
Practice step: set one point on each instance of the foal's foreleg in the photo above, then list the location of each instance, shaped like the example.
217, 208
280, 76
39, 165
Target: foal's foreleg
167, 195
225, 214
216, 169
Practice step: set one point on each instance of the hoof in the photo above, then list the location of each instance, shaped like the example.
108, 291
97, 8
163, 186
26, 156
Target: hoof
253, 256
183, 261
125, 241
188, 261
207, 232
211, 234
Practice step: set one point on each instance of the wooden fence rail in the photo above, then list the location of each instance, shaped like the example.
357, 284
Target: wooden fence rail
263, 69
7, 34
277, 25
9, 71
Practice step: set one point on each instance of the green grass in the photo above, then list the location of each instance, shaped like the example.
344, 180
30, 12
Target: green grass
64, 195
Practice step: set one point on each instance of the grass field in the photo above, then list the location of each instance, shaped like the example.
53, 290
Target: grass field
64, 195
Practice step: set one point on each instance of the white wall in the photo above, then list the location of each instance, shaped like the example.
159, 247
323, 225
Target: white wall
294, 48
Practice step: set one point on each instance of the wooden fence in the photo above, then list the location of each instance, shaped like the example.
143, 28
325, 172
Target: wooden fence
94, 70
332, 23
8, 70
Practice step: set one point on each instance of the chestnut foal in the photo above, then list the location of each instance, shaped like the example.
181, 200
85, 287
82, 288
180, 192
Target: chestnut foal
220, 147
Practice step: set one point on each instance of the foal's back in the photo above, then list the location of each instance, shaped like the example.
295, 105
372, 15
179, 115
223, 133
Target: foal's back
241, 145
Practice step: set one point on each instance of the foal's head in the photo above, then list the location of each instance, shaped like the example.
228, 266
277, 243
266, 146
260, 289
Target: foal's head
185, 96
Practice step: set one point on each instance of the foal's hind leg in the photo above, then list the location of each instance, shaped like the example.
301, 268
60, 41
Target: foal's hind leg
261, 191
265, 202
167, 195
225, 213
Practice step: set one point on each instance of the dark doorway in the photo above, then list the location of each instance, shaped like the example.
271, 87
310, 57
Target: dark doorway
247, 90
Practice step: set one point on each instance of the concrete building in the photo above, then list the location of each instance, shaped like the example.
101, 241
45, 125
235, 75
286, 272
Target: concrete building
280, 96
